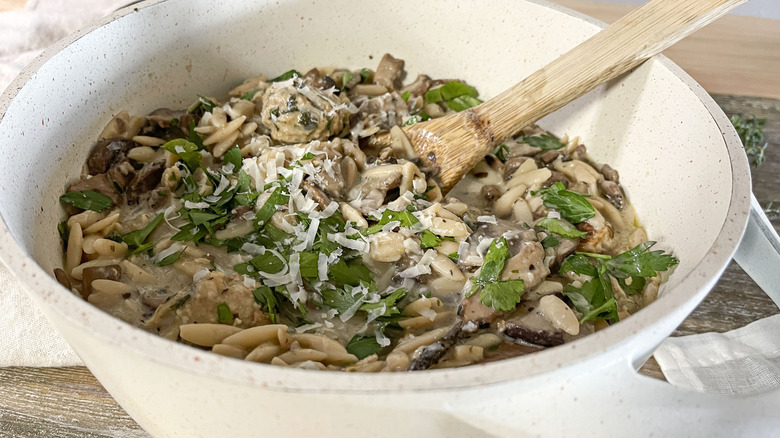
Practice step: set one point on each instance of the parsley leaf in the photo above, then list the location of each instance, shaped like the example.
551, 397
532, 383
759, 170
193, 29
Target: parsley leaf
351, 274
545, 142
572, 206
345, 79
224, 314
135, 239
500, 152
561, 228
502, 295
87, 200
250, 95
363, 346
204, 104
550, 241
269, 208
388, 303
170, 259
639, 262
286, 76
595, 298
495, 258
186, 150
405, 217
338, 299
267, 299
429, 240
233, 156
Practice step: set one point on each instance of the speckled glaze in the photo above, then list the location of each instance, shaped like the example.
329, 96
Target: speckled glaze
678, 156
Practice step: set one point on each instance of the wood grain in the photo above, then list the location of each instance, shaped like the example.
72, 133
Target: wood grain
735, 55
9, 5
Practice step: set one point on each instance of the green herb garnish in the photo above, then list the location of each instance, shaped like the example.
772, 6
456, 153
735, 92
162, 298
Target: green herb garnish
135, 239
561, 228
87, 200
224, 314
500, 295
572, 206
286, 76
363, 346
751, 132
595, 298
545, 142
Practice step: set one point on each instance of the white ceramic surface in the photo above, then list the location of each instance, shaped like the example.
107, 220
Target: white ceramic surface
679, 159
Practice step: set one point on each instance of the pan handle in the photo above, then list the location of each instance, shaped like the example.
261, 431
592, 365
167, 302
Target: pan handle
758, 253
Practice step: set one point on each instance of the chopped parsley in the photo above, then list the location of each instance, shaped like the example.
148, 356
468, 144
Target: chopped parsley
501, 152
363, 346
545, 142
499, 294
135, 239
595, 298
290, 74
572, 206
87, 200
455, 94
561, 228
224, 314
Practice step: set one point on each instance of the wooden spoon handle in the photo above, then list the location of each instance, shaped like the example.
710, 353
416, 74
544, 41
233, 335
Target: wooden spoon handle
628, 42
456, 145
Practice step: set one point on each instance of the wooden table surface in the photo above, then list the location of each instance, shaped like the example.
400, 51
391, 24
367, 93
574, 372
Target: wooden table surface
69, 402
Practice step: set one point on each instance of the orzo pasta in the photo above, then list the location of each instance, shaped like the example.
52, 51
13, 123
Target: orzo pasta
262, 227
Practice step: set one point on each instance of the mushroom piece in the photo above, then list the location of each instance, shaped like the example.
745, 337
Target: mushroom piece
316, 194
389, 72
527, 265
167, 124
108, 272
418, 88
611, 191
377, 181
108, 152
319, 81
471, 309
431, 355
527, 324
145, 181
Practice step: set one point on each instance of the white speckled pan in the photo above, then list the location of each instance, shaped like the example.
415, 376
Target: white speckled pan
678, 156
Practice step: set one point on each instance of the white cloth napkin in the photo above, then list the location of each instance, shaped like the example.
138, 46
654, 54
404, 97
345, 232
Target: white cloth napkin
742, 361
745, 360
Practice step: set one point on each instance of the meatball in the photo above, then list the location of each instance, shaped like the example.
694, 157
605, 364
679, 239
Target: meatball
299, 113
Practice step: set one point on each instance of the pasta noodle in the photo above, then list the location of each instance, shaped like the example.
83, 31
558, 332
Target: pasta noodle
262, 226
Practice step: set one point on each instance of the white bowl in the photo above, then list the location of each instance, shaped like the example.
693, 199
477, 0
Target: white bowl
679, 159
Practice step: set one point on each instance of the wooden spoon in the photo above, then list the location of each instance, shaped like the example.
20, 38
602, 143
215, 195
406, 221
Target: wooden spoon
457, 142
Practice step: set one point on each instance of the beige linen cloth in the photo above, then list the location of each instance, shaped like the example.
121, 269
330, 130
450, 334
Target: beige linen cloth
743, 361
26, 337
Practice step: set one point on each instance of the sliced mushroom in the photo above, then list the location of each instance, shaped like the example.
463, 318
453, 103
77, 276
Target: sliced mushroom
319, 81
320, 198
527, 265
432, 354
145, 181
108, 272
389, 72
108, 152
528, 325
611, 191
